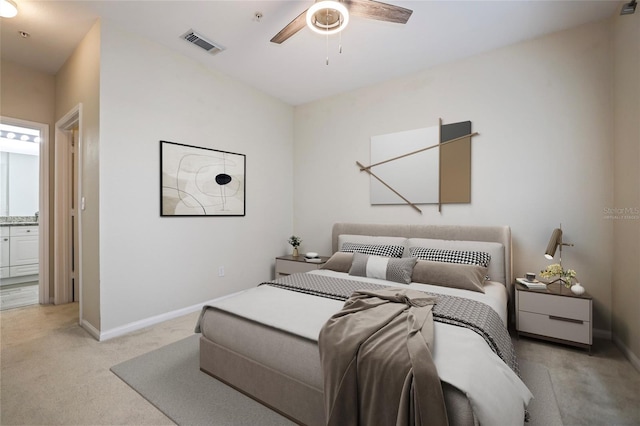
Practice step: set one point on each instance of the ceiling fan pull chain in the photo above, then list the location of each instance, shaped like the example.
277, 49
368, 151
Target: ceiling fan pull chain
327, 46
340, 40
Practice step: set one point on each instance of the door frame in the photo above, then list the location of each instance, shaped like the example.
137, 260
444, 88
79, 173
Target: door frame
43, 204
62, 194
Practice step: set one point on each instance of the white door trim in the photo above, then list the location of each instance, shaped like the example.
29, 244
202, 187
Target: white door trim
62, 251
43, 201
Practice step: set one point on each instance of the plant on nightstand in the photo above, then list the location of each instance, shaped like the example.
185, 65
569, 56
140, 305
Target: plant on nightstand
564, 275
295, 242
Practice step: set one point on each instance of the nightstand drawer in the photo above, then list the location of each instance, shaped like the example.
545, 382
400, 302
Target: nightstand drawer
548, 304
287, 267
556, 327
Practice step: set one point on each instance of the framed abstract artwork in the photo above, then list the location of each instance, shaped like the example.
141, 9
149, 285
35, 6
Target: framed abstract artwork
197, 181
430, 165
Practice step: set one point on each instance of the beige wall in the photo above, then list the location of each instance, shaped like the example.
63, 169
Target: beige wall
543, 155
626, 220
153, 266
78, 82
27, 94
30, 95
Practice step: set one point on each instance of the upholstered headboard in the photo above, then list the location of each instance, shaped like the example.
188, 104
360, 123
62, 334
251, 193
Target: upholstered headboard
497, 234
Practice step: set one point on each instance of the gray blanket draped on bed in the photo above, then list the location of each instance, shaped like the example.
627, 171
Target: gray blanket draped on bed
376, 350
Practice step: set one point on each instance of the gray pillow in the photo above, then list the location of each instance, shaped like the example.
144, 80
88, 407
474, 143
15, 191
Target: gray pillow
386, 268
496, 269
339, 262
455, 275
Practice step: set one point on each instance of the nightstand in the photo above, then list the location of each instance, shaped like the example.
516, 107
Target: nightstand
554, 314
287, 265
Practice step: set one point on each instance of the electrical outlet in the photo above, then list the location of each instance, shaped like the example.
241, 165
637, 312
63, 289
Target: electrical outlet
221, 271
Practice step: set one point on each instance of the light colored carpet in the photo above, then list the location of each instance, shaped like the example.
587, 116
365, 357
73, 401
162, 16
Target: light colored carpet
599, 389
170, 378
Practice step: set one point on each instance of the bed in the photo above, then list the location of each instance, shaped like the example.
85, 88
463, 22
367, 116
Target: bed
264, 341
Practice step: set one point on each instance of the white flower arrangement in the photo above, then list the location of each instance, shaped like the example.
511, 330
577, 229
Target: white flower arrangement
555, 270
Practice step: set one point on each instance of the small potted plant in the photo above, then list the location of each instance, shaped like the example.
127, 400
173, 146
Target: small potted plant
564, 275
295, 242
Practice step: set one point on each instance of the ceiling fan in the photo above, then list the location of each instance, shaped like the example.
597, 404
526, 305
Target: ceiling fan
330, 17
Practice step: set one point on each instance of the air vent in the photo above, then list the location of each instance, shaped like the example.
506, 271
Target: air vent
195, 38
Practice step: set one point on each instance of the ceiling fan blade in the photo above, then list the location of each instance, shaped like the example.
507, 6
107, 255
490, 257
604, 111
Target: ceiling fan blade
292, 27
376, 10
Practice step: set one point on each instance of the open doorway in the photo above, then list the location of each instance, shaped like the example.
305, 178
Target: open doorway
24, 213
67, 205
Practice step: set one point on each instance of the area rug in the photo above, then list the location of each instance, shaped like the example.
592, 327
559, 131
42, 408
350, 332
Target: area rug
543, 408
171, 380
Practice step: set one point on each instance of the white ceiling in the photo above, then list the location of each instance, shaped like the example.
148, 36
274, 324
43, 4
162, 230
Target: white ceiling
295, 71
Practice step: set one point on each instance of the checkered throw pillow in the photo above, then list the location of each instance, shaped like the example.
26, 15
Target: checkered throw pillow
451, 256
375, 249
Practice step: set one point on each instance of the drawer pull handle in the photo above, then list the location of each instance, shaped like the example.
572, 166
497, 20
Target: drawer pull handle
566, 319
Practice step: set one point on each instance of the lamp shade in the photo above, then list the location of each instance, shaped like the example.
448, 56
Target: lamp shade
554, 242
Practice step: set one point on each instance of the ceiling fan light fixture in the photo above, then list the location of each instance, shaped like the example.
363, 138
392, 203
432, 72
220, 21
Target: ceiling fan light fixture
8, 9
327, 17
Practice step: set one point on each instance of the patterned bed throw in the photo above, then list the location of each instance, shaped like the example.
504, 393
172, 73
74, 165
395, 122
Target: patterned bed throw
453, 310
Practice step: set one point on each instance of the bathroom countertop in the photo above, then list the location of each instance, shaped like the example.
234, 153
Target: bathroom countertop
19, 220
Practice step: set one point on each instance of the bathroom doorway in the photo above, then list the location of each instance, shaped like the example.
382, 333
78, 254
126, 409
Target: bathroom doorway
68, 204
23, 208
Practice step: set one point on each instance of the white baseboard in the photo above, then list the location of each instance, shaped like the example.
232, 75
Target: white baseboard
633, 358
89, 329
147, 322
137, 325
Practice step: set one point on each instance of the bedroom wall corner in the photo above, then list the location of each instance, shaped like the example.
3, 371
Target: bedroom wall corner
626, 205
153, 265
543, 157
78, 81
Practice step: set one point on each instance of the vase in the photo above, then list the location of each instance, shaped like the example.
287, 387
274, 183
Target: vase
295, 252
577, 289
